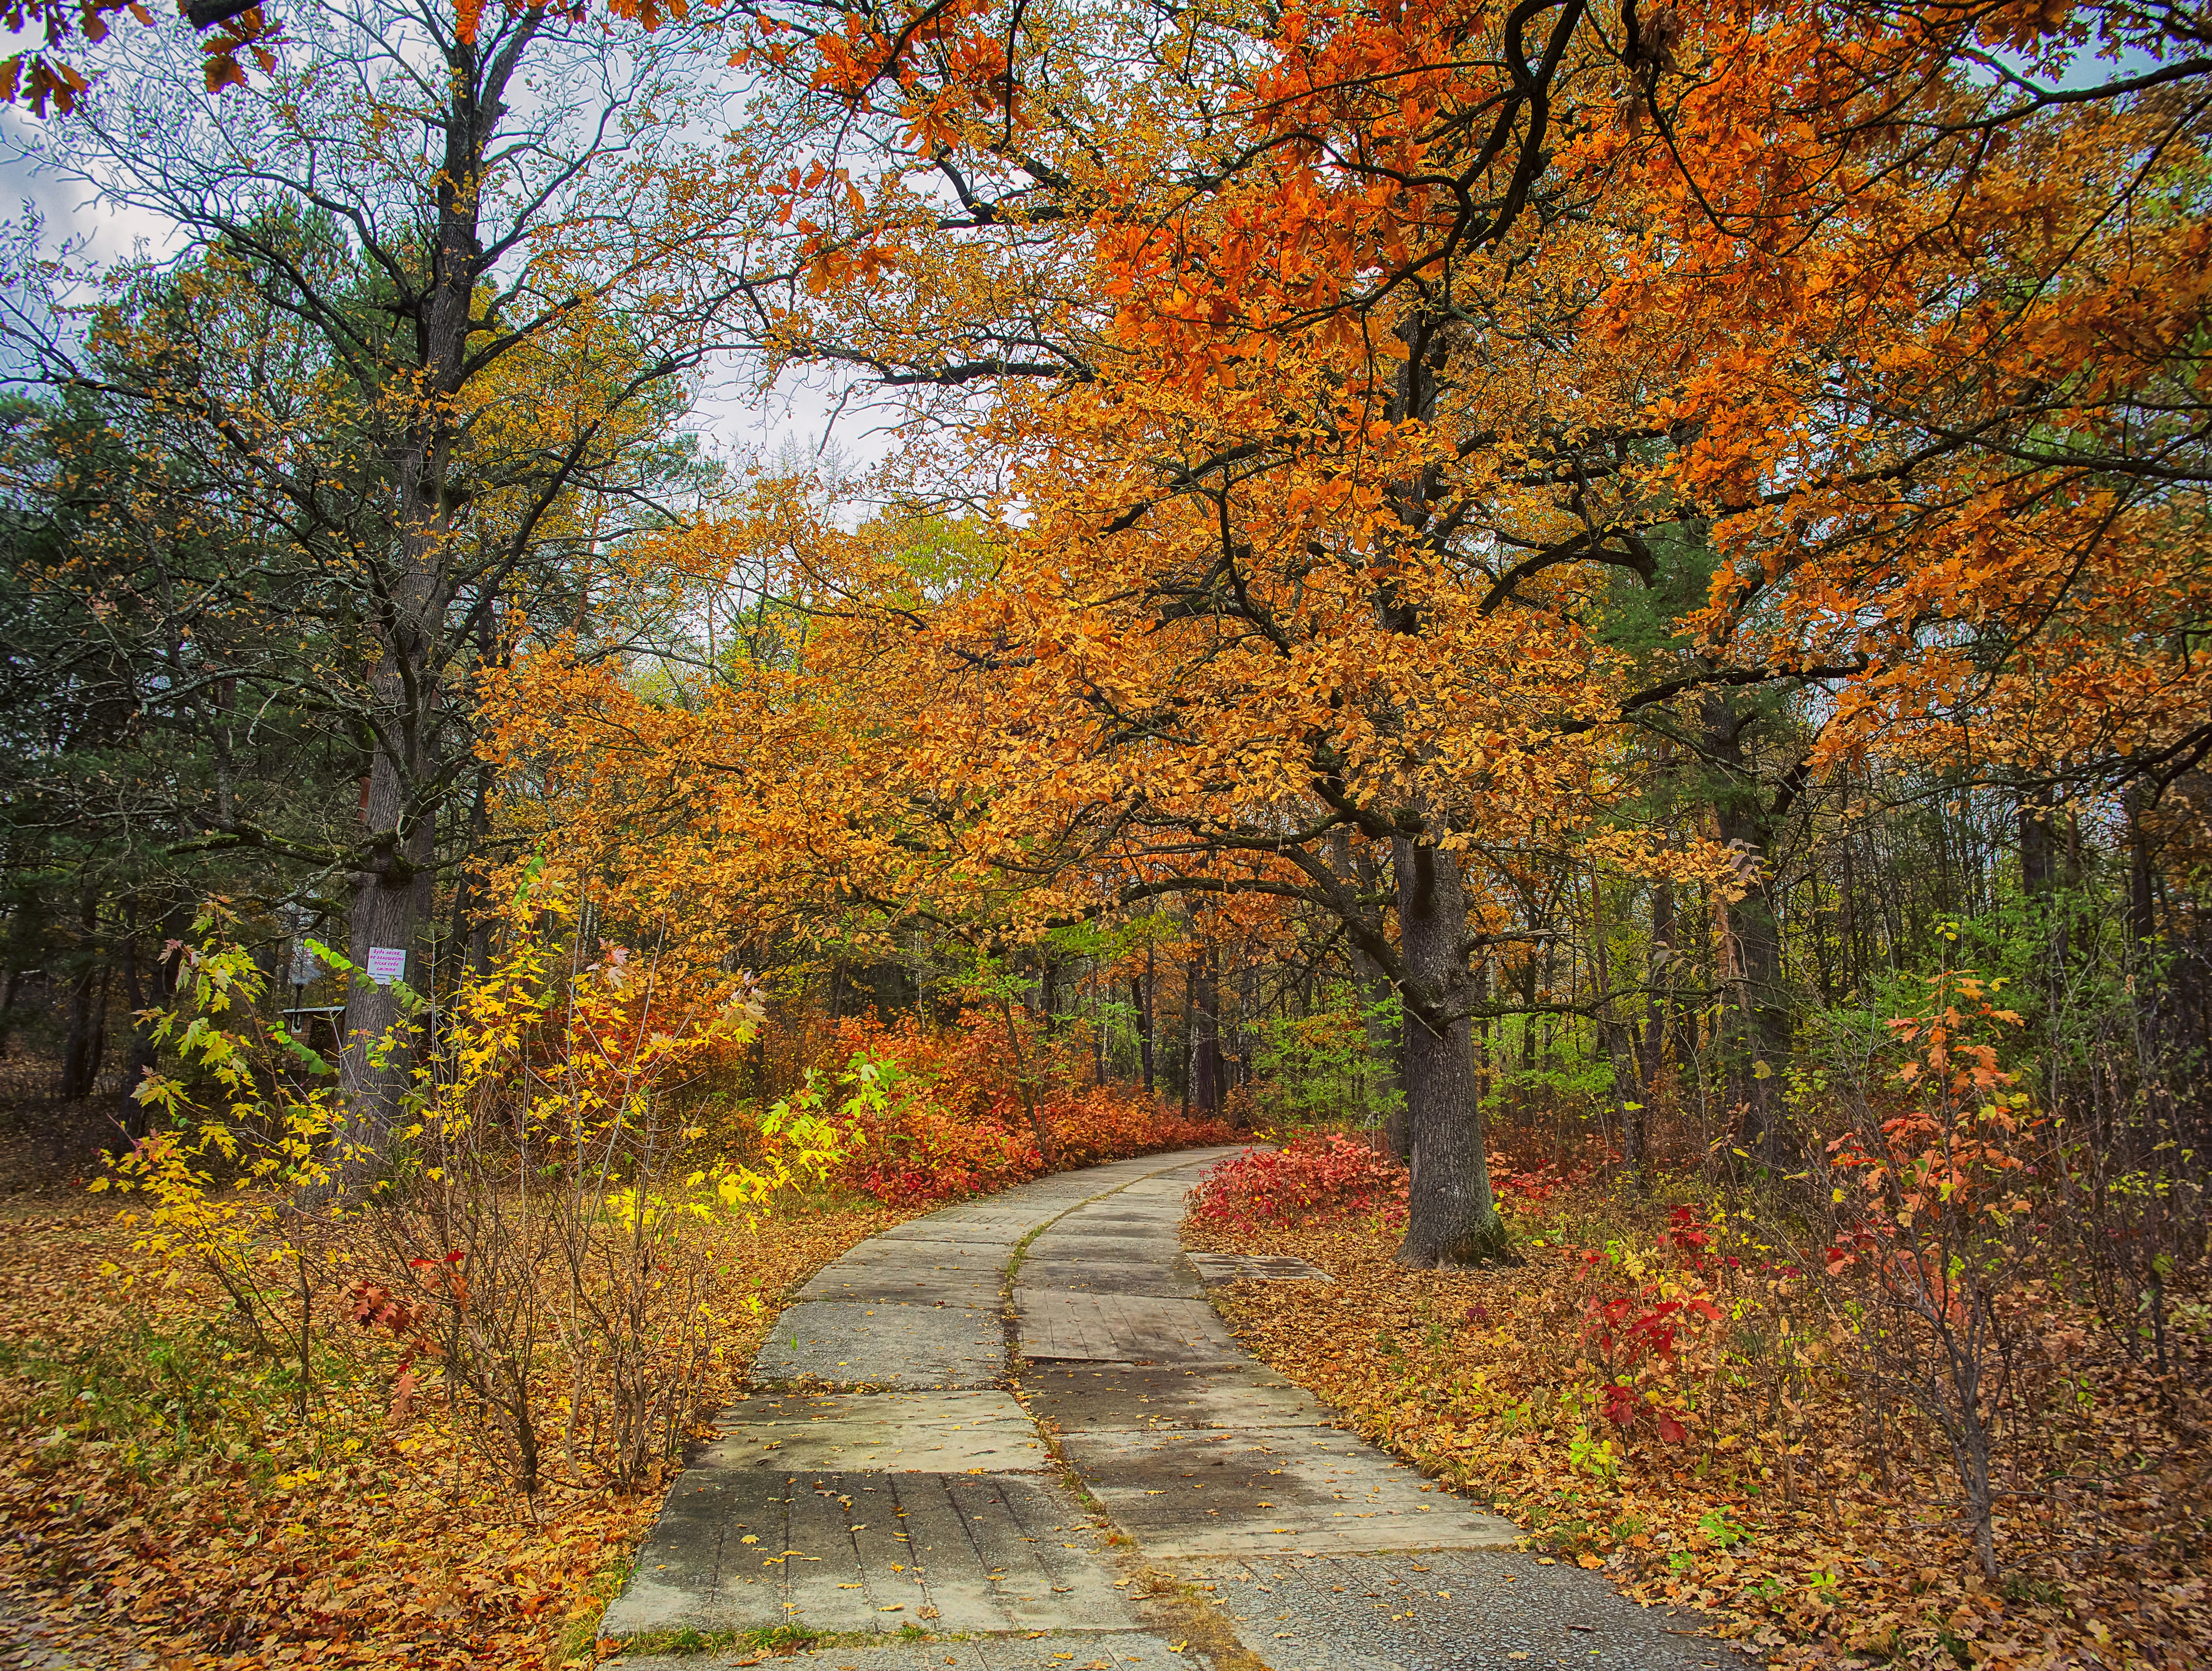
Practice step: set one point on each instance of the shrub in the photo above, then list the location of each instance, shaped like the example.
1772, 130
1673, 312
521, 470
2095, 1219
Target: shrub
1326, 1176
951, 1120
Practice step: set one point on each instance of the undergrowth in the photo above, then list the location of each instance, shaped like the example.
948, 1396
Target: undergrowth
1668, 1391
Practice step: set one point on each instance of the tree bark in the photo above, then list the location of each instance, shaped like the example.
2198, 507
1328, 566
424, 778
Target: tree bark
82, 1048
1758, 1018
1386, 1038
1141, 990
1454, 1219
1205, 1043
1248, 1004
1050, 996
2039, 850
2142, 922
393, 886
1659, 978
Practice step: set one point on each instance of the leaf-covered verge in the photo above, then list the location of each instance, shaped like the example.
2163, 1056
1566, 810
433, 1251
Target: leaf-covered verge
1655, 1395
165, 1504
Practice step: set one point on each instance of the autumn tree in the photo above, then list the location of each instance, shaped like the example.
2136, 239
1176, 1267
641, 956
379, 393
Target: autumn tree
1524, 302
494, 303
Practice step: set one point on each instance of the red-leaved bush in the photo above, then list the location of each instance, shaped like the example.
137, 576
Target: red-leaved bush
1328, 1176
956, 1122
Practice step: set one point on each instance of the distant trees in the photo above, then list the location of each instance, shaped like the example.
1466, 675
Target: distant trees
415, 383
1577, 529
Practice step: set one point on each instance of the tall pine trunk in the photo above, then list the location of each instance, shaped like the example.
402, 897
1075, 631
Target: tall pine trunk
84, 1045
1758, 1017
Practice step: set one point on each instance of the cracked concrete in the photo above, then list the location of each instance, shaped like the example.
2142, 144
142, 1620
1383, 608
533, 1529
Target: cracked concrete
1014, 1436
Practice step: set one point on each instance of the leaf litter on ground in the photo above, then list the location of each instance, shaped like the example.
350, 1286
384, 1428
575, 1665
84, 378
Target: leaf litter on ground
164, 1505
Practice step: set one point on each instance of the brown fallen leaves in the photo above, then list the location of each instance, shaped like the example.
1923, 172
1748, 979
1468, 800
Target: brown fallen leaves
1772, 1510
164, 1504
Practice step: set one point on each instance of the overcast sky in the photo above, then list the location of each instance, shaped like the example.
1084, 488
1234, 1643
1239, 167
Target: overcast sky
794, 420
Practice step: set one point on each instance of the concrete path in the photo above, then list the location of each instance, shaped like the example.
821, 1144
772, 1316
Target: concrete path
1014, 1436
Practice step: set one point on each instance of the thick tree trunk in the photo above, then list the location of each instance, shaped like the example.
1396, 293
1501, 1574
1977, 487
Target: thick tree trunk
1454, 1219
393, 886
391, 904
130, 1113
1758, 1018
2142, 921
1248, 1004
1659, 979
1386, 1038
1618, 1036
1051, 995
2039, 849
1184, 1040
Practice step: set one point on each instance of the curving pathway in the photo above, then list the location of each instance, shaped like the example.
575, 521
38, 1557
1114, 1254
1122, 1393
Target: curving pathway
1014, 1436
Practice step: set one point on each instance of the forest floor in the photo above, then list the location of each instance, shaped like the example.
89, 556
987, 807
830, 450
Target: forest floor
164, 1504
1758, 1498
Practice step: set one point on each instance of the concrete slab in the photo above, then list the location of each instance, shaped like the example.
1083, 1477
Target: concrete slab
1455, 1610
1059, 1323
1085, 1271
959, 1432
1103, 1651
1125, 1207
1152, 1220
740, 1549
1289, 1490
846, 1344
1215, 1269
957, 1273
1002, 1230
1074, 1241
1115, 1397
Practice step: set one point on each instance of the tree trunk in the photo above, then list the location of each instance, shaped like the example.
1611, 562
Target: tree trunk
1454, 1218
392, 899
1618, 1038
2039, 851
392, 896
1141, 986
8, 988
1184, 1041
1659, 979
1205, 1043
1758, 1017
2142, 921
80, 1049
1386, 1040
130, 1113
1248, 1004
